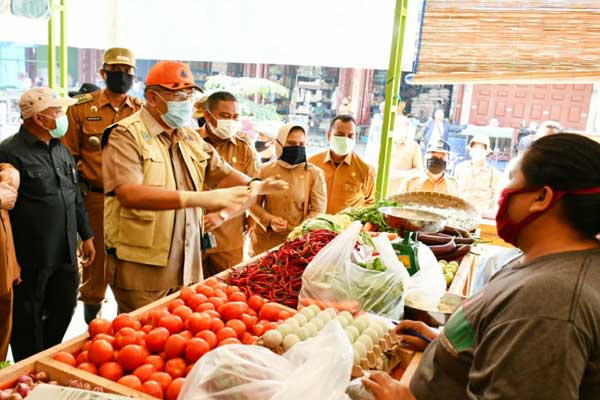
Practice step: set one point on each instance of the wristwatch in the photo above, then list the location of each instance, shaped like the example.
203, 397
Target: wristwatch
224, 215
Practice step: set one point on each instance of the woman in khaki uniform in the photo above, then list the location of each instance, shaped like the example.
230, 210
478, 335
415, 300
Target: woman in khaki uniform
277, 214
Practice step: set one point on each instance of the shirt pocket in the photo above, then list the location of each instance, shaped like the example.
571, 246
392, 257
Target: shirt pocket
37, 181
92, 135
136, 227
155, 173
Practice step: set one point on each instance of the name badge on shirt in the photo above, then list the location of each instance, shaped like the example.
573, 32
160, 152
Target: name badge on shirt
94, 118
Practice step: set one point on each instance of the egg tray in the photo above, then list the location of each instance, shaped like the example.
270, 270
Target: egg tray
386, 355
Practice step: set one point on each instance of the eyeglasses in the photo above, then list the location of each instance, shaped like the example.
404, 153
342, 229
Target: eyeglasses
180, 95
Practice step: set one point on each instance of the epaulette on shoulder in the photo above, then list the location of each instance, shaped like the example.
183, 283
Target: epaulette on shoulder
137, 101
84, 98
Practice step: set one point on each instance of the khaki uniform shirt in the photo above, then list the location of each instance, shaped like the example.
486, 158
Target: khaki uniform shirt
406, 159
87, 121
425, 182
238, 152
288, 204
9, 268
478, 185
123, 164
349, 184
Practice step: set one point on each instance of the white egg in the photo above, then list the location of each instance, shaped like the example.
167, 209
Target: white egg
325, 317
272, 338
301, 318
346, 315
360, 324
302, 334
317, 323
331, 311
284, 329
360, 349
372, 333
289, 341
366, 341
308, 313
292, 323
311, 329
315, 308
343, 321
352, 333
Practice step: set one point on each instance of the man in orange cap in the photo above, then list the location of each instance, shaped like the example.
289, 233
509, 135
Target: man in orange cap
87, 121
154, 168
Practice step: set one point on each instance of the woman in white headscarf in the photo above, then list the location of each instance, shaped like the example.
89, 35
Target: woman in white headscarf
279, 213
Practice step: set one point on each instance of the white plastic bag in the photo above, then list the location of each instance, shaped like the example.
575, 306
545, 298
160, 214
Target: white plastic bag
427, 286
318, 368
333, 280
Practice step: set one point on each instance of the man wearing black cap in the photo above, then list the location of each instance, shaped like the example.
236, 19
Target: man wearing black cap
434, 177
87, 120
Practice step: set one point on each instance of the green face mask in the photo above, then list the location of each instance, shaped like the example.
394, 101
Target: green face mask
62, 125
341, 145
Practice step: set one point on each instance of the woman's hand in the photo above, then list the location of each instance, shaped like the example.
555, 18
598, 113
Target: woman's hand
384, 387
407, 329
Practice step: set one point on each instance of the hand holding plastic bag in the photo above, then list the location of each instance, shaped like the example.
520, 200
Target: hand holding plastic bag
318, 368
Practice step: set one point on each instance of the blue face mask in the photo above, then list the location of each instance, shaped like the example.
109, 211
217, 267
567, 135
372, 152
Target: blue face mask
179, 113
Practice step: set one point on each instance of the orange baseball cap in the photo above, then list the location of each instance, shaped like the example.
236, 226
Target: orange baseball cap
172, 75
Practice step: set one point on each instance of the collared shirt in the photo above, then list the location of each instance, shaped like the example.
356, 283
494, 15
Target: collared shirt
49, 212
349, 184
423, 181
406, 159
122, 163
478, 185
238, 152
87, 121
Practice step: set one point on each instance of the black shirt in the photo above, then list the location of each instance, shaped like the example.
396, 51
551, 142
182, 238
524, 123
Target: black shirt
49, 211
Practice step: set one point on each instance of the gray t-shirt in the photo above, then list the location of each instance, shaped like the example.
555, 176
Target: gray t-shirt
532, 333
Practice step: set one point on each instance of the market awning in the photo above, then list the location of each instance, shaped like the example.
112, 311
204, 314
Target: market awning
334, 33
495, 41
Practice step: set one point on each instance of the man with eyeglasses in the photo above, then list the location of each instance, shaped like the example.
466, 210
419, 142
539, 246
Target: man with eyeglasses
87, 121
154, 169
222, 131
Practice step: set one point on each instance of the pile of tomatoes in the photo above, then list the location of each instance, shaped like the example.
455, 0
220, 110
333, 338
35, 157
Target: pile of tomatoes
156, 352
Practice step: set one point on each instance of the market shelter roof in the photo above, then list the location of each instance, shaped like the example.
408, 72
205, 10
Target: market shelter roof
495, 41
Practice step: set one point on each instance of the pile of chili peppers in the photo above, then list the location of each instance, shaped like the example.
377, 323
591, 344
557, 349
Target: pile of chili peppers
278, 275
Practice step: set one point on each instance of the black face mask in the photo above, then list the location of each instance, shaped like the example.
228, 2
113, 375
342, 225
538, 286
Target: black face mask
293, 155
118, 82
436, 165
261, 145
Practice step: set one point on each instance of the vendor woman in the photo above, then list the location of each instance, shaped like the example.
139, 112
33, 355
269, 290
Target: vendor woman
534, 331
277, 214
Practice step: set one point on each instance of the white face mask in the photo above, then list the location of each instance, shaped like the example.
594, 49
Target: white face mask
478, 155
341, 145
226, 128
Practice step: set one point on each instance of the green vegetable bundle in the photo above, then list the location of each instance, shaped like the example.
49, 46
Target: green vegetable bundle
371, 214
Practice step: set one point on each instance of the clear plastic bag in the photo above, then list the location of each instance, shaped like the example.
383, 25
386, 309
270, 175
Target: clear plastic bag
427, 286
333, 280
318, 368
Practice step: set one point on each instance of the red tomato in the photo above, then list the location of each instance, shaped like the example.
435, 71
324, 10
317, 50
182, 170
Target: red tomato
175, 346
146, 328
131, 381
175, 303
163, 378
111, 370
271, 325
256, 302
238, 326
209, 337
229, 341
216, 325
82, 357
153, 388
174, 388
213, 313
157, 361
198, 322
156, 338
184, 312
124, 337
269, 311
103, 336
205, 307
212, 282
188, 370
229, 290
195, 349
86, 345
252, 313
123, 321
216, 301
249, 321
226, 333
247, 338
100, 352
100, 325
195, 301
258, 329
233, 310
205, 290
172, 322
143, 372
157, 314
186, 293
176, 367
131, 356
220, 294
186, 334
66, 358
89, 367
237, 296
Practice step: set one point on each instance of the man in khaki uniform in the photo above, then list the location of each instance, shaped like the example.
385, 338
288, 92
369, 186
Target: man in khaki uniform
350, 180
9, 269
434, 177
478, 182
87, 121
222, 131
277, 214
154, 168
406, 154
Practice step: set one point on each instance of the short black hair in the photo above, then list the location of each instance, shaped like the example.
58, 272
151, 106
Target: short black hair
216, 97
343, 118
567, 162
